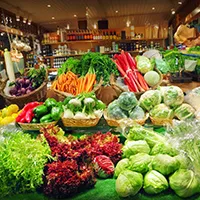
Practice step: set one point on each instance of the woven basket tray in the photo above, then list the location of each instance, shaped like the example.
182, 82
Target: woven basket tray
116, 123
160, 122
38, 94
35, 126
70, 122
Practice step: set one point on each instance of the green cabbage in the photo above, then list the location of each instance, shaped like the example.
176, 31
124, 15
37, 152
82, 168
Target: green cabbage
134, 147
140, 162
121, 165
184, 182
144, 65
152, 78
184, 160
164, 148
165, 164
150, 99
154, 182
141, 133
184, 111
128, 183
137, 113
172, 95
115, 112
162, 111
127, 101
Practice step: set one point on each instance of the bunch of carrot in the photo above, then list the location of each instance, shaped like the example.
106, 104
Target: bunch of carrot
127, 67
70, 83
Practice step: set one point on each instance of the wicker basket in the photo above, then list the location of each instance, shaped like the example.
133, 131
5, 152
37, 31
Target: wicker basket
116, 123
160, 122
37, 95
70, 122
35, 126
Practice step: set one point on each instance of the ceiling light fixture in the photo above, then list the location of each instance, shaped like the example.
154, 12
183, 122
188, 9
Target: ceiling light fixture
95, 26
68, 26
153, 8
180, 2
86, 14
17, 18
116, 11
128, 23
173, 11
49, 6
29, 22
53, 18
24, 20
75, 15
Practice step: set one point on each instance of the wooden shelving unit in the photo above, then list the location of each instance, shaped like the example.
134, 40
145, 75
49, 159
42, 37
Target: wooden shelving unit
98, 41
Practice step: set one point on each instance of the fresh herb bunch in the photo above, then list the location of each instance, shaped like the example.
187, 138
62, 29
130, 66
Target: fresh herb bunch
22, 162
102, 65
71, 64
174, 59
37, 76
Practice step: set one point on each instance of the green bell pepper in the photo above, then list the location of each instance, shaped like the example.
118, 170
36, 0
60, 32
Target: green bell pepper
50, 103
67, 99
46, 118
56, 113
40, 111
34, 120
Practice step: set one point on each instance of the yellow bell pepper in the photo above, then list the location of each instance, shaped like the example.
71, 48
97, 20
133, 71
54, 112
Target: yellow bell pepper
6, 120
8, 111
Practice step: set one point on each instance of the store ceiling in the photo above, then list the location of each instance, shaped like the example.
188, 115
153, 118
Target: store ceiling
118, 12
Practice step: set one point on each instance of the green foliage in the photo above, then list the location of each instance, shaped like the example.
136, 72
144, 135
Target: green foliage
22, 162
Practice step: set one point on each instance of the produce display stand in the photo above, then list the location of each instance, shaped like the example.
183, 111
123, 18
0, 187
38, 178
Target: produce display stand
103, 190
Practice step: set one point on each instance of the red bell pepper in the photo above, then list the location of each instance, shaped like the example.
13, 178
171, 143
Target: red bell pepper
25, 115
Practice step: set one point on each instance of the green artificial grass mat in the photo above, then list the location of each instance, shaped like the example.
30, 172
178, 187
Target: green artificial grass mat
103, 190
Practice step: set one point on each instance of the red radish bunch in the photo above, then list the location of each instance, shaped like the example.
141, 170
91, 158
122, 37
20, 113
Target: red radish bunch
128, 69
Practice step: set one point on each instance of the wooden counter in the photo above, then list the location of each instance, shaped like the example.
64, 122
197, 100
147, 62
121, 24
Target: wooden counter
187, 86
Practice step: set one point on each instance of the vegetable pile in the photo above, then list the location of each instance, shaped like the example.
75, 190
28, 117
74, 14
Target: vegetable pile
132, 69
70, 82
155, 162
28, 83
83, 106
101, 64
126, 106
73, 170
9, 114
166, 103
39, 112
22, 162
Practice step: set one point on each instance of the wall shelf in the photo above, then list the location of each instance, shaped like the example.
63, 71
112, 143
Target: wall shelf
97, 41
